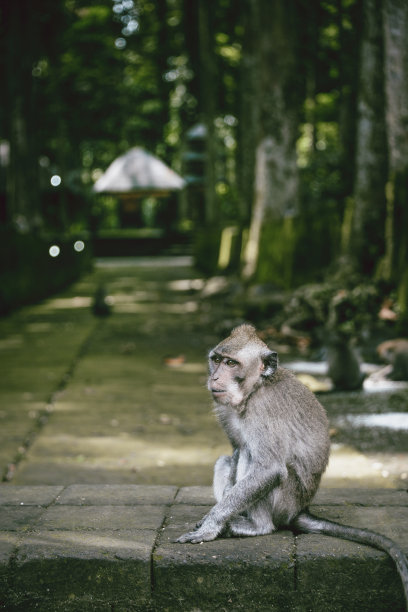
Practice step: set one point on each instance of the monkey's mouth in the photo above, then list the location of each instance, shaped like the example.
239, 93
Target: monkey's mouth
218, 391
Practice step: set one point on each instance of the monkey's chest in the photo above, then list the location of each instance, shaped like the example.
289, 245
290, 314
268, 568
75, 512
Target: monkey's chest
232, 425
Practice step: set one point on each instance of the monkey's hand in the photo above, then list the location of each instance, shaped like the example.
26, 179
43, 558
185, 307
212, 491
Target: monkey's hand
207, 531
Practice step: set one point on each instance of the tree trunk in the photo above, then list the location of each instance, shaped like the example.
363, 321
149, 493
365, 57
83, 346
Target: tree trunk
208, 89
200, 43
396, 86
276, 99
248, 117
163, 87
349, 41
22, 176
367, 240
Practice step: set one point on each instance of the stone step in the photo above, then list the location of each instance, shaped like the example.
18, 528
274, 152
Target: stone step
111, 547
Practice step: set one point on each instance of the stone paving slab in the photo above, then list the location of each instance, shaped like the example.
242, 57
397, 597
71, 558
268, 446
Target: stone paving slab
195, 496
28, 496
85, 518
112, 547
366, 572
231, 574
335, 574
54, 568
114, 495
19, 518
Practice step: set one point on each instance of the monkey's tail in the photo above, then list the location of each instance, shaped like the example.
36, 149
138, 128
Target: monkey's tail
307, 523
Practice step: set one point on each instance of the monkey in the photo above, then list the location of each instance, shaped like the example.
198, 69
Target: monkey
344, 365
395, 352
101, 306
279, 435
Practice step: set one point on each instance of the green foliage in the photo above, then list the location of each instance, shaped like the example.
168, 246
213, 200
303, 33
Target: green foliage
101, 76
28, 273
333, 306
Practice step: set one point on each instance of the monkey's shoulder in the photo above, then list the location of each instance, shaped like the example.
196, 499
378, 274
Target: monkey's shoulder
284, 376
284, 382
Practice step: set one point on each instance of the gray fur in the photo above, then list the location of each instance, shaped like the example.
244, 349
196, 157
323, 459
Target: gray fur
279, 434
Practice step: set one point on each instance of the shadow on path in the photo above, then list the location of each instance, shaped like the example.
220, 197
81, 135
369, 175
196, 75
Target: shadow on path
122, 399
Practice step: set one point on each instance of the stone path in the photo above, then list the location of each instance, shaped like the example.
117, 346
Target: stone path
88, 400
123, 399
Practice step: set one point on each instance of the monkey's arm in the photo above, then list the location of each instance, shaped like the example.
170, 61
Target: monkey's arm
225, 474
253, 487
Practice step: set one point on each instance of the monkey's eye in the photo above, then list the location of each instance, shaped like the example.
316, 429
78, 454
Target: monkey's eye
216, 359
231, 363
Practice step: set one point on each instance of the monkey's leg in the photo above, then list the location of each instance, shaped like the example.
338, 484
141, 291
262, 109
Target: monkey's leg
223, 473
254, 485
258, 522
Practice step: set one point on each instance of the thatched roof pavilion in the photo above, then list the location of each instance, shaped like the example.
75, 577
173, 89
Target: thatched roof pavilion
139, 174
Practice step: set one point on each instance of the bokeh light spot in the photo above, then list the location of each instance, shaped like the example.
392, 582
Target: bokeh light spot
79, 246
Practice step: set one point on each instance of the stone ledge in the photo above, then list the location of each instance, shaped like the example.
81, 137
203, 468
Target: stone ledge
111, 547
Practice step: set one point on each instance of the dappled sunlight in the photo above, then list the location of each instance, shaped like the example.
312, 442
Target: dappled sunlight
40, 327
349, 468
132, 296
190, 368
184, 261
179, 388
92, 544
127, 451
388, 420
147, 307
11, 342
68, 302
314, 374
189, 284
152, 459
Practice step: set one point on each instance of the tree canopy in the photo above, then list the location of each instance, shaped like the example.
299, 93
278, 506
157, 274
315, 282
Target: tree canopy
303, 107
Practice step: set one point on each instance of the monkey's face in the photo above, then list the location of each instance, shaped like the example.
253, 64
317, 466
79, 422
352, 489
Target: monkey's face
238, 365
225, 379
233, 377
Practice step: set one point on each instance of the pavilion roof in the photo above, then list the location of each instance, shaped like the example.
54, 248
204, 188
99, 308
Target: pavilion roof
138, 170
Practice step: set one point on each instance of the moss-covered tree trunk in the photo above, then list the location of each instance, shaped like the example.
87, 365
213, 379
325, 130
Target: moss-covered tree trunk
367, 238
268, 256
396, 80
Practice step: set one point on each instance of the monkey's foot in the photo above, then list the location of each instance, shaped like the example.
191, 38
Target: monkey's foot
196, 537
208, 531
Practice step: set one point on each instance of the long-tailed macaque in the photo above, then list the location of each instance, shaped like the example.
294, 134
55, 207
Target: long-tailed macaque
395, 352
344, 365
280, 440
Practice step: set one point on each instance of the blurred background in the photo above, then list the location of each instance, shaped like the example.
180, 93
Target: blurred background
257, 152
287, 123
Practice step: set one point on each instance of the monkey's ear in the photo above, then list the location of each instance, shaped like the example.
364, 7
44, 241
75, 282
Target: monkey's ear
270, 363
